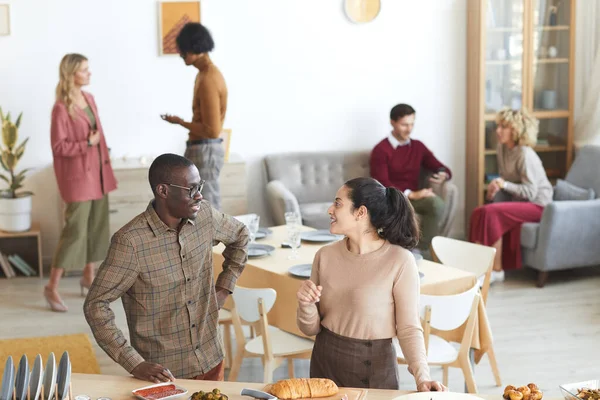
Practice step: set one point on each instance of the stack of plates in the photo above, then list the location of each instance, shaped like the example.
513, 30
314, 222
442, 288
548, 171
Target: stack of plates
259, 250
320, 236
17, 381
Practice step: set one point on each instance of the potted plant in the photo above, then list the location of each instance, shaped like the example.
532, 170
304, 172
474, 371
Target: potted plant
15, 207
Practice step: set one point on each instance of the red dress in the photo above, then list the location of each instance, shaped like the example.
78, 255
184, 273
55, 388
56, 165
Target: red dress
503, 220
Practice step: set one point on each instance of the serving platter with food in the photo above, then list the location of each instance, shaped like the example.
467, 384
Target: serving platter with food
305, 388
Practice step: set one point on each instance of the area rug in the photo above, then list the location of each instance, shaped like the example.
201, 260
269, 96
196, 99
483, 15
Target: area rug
81, 353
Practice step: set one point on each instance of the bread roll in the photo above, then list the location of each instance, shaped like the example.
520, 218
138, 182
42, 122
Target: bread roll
289, 389
515, 395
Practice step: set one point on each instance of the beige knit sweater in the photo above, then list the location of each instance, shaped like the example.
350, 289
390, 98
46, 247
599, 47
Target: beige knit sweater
369, 296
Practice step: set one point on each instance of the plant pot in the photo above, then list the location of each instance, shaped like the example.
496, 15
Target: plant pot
15, 214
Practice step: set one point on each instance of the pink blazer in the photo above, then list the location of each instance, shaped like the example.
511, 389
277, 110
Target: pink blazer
76, 165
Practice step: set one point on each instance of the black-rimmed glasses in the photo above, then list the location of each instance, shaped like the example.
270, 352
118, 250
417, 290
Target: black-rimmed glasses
193, 191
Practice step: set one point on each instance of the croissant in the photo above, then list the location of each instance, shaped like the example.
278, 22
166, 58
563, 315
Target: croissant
290, 389
533, 387
515, 395
508, 389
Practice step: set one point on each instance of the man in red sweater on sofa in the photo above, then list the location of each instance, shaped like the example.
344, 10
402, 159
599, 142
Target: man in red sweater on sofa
397, 161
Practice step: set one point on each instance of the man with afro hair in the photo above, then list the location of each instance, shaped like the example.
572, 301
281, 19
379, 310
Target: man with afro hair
204, 146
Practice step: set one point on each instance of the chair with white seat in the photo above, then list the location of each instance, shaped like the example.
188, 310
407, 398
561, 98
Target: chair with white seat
272, 345
476, 259
446, 313
471, 257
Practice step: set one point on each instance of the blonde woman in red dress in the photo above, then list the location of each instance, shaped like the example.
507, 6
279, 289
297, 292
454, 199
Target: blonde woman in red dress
519, 194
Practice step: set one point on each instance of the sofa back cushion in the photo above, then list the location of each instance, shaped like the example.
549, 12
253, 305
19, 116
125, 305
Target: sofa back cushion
584, 171
316, 177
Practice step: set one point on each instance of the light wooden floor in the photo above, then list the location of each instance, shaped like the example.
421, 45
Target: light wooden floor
548, 336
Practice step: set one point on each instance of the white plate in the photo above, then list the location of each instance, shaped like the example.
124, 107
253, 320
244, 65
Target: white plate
263, 233
63, 376
260, 250
438, 396
301, 270
158, 385
22, 379
8, 380
50, 377
35, 379
320, 236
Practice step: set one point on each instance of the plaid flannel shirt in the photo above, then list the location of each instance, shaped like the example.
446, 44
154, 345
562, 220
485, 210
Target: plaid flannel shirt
165, 281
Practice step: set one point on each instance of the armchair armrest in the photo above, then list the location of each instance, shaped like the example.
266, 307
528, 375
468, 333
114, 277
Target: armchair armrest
568, 235
280, 201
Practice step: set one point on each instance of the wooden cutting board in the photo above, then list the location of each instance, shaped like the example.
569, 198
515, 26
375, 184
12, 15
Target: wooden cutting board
353, 394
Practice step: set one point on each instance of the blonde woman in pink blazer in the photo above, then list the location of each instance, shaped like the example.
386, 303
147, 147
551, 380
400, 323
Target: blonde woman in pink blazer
84, 176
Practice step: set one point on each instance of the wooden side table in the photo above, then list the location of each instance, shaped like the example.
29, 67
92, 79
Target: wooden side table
28, 245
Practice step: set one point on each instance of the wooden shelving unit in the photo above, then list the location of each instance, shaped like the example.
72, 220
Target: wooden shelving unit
509, 65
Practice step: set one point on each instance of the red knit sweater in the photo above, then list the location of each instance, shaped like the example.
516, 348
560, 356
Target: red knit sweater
400, 167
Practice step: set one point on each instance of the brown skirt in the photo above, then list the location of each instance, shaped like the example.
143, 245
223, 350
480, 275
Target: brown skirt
354, 362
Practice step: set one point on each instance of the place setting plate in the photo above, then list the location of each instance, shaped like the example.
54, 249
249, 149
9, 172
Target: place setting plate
301, 270
259, 250
263, 233
320, 236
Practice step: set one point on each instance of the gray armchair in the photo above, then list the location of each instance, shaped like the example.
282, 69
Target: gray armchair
307, 183
567, 235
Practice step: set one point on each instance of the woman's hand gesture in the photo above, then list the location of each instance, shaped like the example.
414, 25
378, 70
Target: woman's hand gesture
309, 293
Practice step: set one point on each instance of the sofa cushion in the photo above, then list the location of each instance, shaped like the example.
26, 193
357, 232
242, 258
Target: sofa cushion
316, 177
315, 215
529, 232
567, 191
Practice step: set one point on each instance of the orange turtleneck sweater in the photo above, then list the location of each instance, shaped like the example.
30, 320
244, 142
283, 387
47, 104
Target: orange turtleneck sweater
210, 102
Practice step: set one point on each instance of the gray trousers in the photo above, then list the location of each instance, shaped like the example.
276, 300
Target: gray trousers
209, 157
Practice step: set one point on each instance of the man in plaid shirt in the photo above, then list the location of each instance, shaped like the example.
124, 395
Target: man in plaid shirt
160, 264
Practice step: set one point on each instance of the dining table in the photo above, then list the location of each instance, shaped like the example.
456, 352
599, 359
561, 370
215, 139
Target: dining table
121, 387
272, 271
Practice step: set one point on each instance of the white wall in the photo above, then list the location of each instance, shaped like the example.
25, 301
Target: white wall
300, 77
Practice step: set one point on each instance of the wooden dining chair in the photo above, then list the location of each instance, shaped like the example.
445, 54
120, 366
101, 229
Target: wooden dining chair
226, 322
476, 259
271, 344
446, 313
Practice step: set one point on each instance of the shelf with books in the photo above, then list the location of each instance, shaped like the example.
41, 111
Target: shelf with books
21, 253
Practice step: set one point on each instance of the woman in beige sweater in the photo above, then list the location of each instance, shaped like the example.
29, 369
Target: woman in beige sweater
519, 195
364, 290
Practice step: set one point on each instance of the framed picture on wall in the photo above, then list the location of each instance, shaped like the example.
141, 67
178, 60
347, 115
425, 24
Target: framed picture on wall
172, 16
4, 19
226, 136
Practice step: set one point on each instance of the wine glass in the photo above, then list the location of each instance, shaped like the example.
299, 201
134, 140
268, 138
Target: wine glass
253, 223
293, 240
292, 222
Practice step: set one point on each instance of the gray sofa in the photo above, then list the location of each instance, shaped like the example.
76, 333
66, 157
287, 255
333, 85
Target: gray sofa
307, 183
568, 234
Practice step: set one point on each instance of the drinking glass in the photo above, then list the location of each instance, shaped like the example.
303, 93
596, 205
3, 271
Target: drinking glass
292, 222
253, 223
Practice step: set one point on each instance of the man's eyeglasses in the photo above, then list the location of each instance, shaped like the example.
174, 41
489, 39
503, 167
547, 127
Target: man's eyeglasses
194, 190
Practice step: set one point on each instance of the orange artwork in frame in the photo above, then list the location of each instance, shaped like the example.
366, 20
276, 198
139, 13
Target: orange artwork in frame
172, 16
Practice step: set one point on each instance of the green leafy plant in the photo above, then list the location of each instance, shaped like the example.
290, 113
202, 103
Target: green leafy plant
10, 154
